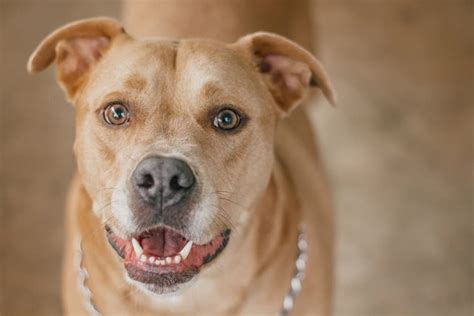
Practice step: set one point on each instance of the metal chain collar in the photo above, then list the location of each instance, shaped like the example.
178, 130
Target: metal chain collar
288, 301
298, 275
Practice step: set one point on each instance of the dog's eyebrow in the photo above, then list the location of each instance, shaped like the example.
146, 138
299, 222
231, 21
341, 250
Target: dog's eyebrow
210, 89
136, 82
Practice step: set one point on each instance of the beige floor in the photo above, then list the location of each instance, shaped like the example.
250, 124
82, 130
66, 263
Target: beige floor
398, 149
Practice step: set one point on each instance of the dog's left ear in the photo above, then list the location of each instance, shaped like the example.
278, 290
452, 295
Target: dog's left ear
75, 48
288, 69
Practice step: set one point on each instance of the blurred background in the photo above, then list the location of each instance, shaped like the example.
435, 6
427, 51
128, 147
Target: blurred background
398, 151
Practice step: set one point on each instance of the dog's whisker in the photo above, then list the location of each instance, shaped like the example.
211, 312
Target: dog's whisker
233, 202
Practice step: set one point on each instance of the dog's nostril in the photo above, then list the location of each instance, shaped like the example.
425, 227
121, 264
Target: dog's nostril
146, 181
179, 182
174, 183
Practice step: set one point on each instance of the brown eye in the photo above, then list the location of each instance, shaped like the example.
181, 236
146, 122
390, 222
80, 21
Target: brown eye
227, 119
116, 114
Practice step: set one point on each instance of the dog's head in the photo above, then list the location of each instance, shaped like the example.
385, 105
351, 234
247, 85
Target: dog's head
174, 139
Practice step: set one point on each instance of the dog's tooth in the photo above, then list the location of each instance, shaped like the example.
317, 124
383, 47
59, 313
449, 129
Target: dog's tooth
186, 249
177, 259
168, 260
143, 258
137, 248
162, 262
151, 259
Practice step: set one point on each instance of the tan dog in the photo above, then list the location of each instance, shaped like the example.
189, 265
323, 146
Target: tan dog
190, 190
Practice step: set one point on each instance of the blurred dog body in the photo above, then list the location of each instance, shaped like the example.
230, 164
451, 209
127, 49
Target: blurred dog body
285, 188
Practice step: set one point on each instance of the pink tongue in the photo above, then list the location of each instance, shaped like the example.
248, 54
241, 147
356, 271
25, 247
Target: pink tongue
162, 242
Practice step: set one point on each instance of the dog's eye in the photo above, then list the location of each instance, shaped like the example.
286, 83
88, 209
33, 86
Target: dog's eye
116, 114
227, 119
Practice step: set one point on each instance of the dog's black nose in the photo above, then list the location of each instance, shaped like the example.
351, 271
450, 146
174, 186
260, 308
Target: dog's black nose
163, 181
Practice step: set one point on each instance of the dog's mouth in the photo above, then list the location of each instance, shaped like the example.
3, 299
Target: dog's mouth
162, 258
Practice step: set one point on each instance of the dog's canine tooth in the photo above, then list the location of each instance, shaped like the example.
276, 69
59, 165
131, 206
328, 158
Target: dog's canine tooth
137, 248
177, 259
186, 249
151, 259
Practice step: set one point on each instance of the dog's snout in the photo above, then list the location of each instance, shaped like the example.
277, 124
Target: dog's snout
163, 181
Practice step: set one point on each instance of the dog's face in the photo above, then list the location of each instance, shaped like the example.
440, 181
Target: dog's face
174, 139
174, 144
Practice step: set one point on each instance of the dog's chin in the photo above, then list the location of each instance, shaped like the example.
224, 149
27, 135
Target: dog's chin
162, 261
163, 292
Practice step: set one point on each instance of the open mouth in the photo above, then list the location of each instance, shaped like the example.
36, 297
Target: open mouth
163, 258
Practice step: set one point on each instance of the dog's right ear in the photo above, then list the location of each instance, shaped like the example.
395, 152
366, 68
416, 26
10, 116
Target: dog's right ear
289, 71
75, 48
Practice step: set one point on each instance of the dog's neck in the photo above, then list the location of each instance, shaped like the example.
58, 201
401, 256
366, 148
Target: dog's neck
257, 255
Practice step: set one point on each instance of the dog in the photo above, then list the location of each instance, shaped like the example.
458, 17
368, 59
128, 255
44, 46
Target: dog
197, 182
